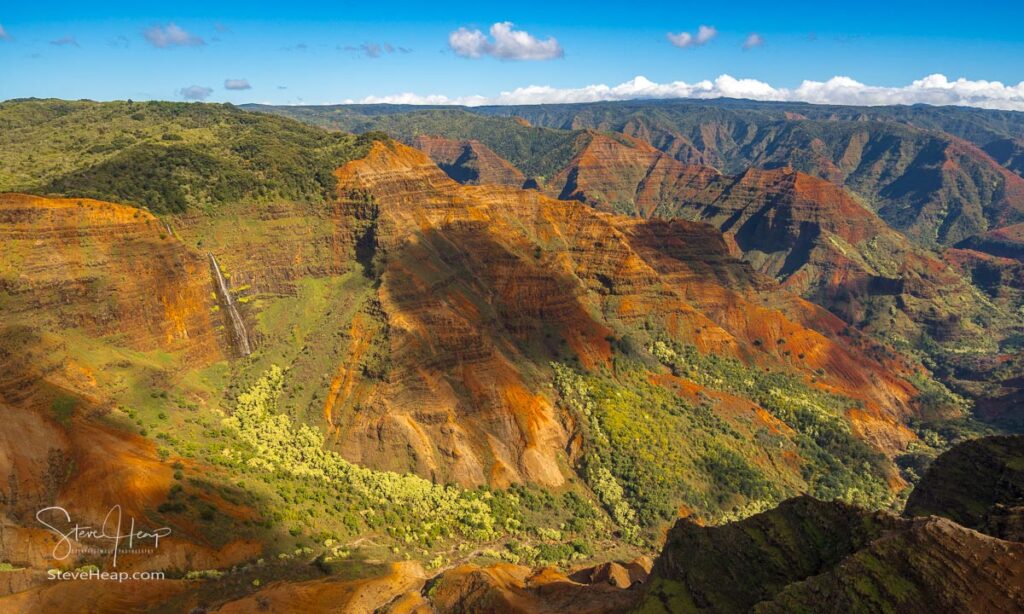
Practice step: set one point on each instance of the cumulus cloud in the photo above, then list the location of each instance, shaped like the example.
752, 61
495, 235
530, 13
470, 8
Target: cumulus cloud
933, 90
753, 40
237, 84
505, 43
685, 39
65, 41
4, 36
195, 92
171, 36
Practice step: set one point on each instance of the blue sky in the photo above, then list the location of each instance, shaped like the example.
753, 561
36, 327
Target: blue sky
292, 53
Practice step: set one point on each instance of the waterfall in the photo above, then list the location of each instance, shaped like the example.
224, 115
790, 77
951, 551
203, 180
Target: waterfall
241, 338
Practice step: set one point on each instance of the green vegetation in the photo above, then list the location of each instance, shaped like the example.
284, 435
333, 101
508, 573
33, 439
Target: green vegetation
575, 393
648, 452
304, 491
836, 463
167, 156
274, 445
537, 152
63, 407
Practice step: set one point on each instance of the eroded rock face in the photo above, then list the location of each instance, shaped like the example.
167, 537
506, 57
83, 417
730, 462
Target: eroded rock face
333, 595
808, 233
479, 287
469, 162
812, 555
934, 187
932, 565
266, 247
732, 567
108, 269
514, 589
979, 484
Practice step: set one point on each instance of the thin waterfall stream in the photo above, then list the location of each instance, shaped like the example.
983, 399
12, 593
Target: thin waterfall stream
241, 337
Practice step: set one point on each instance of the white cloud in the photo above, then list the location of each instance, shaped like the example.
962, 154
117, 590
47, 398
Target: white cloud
171, 36
933, 89
237, 84
195, 92
506, 43
4, 36
753, 40
685, 39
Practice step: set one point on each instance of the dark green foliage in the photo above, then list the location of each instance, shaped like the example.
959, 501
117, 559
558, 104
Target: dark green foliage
63, 407
660, 451
837, 463
732, 473
537, 152
168, 156
159, 177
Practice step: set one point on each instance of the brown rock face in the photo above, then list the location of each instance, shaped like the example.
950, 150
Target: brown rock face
92, 290
974, 483
621, 575
479, 287
922, 180
808, 555
108, 269
1006, 242
266, 247
931, 566
808, 233
332, 595
469, 162
514, 589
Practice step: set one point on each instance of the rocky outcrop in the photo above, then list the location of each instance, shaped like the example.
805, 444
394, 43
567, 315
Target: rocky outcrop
469, 162
479, 287
932, 565
107, 269
732, 567
806, 232
812, 555
915, 170
515, 589
978, 484
1006, 242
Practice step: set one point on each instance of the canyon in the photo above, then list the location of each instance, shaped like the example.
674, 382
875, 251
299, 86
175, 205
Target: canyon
393, 378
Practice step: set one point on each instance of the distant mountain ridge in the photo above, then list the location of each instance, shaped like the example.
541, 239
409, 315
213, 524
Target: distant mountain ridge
925, 170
